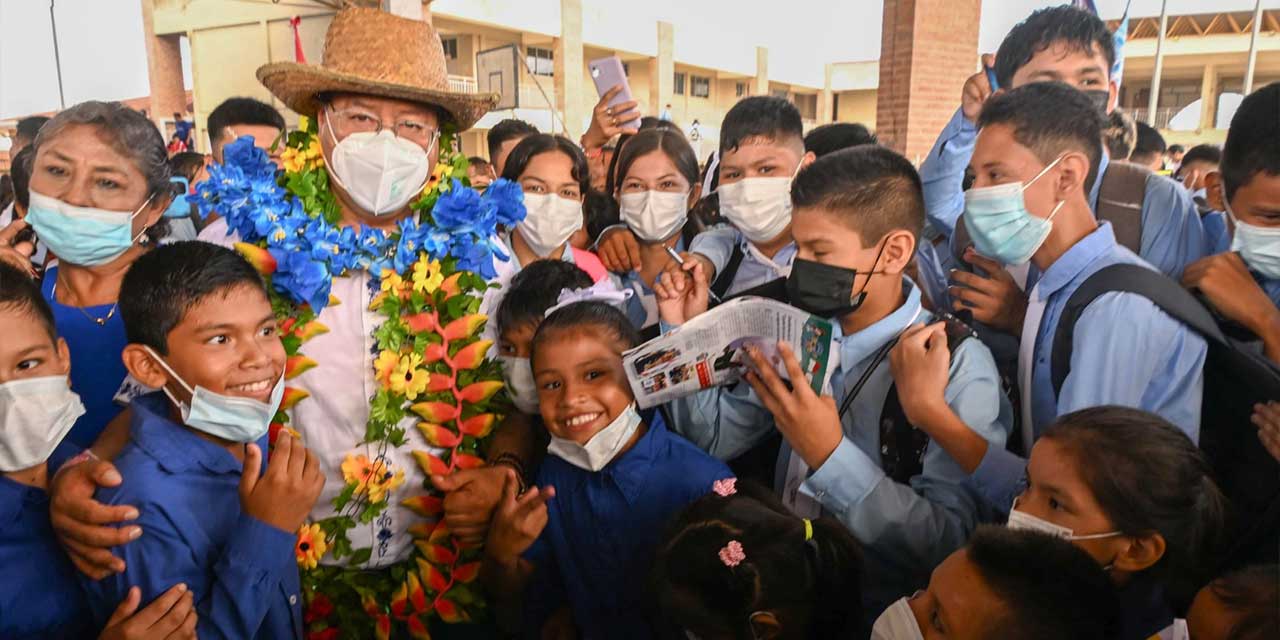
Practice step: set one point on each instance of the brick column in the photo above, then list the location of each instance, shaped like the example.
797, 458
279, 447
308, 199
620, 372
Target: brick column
164, 69
927, 50
569, 67
761, 86
662, 69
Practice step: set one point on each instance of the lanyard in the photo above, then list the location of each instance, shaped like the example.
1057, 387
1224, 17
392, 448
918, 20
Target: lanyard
881, 354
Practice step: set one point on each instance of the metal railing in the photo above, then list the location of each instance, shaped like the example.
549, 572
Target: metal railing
462, 84
1163, 116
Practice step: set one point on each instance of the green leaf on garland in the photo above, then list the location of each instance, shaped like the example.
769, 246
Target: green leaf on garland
361, 556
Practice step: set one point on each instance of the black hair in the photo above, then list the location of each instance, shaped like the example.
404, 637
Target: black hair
477, 161
186, 164
535, 288
1054, 590
766, 117
1050, 118
813, 587
604, 319
241, 111
837, 136
646, 123
1120, 134
1078, 29
1253, 141
1209, 153
163, 284
21, 172
19, 292
540, 143
874, 190
1149, 477
29, 126
672, 145
1253, 594
1177, 148
1149, 140
601, 212
508, 129
6, 190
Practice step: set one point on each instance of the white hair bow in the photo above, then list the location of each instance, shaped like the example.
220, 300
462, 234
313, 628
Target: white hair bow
602, 291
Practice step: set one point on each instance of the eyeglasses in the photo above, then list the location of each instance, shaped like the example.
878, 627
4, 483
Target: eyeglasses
355, 120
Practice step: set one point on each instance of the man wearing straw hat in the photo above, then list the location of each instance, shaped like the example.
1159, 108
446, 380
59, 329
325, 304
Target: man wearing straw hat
380, 100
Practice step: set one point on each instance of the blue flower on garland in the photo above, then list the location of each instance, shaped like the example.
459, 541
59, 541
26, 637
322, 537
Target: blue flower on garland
301, 278
508, 201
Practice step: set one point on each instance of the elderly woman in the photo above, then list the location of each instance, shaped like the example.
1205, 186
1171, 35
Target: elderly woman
99, 188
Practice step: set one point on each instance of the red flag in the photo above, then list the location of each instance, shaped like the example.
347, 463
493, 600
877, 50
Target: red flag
298, 55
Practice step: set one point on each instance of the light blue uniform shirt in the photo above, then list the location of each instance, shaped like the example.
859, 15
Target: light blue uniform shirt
638, 305
906, 530
717, 245
1172, 235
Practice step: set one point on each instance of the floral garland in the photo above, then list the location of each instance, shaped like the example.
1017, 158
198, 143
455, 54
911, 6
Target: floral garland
430, 275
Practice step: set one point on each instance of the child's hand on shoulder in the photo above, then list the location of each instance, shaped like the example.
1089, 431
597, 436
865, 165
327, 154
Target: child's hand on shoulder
682, 291
283, 496
518, 520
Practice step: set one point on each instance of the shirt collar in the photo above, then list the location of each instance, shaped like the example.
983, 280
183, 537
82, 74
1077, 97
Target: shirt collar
1080, 255
1097, 182
631, 472
174, 446
781, 260
858, 346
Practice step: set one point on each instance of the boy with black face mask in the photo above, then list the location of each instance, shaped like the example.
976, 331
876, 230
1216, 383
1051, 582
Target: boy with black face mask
856, 218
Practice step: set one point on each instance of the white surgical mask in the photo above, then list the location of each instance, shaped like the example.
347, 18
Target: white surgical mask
518, 373
654, 215
549, 222
380, 171
36, 413
759, 207
1023, 521
897, 623
600, 450
1259, 247
231, 418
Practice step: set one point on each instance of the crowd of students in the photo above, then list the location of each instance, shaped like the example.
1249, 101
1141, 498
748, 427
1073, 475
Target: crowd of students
1027, 433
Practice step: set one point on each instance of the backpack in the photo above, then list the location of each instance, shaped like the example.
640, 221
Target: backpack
1235, 379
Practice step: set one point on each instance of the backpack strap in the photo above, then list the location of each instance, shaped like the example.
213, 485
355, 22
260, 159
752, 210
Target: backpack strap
1124, 187
960, 240
725, 278
1166, 294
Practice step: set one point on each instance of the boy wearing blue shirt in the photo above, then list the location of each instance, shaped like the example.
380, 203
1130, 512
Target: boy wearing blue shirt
858, 214
201, 329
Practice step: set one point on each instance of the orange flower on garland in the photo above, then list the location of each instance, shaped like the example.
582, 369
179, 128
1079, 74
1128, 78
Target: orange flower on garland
385, 365
374, 478
310, 546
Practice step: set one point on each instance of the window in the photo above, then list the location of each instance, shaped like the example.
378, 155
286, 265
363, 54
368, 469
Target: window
740, 89
679, 88
541, 61
450, 47
700, 87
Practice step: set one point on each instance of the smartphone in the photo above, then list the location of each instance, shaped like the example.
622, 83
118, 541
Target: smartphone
608, 73
991, 79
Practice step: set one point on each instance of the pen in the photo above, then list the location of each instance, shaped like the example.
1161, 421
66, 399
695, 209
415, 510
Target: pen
680, 261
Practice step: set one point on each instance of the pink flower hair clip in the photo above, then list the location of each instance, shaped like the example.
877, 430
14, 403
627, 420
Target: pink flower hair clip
726, 487
732, 554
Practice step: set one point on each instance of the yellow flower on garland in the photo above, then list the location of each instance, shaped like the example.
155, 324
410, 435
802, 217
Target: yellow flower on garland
310, 546
297, 160
393, 284
374, 478
426, 275
440, 173
385, 365
408, 378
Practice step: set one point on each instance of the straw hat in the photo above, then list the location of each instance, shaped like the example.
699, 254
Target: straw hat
373, 52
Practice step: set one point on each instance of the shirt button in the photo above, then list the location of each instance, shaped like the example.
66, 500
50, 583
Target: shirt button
293, 599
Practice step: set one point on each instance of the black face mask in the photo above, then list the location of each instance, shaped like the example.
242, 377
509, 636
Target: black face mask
824, 290
1100, 98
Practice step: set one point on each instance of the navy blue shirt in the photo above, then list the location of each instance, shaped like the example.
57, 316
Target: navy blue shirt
602, 529
97, 371
241, 571
40, 596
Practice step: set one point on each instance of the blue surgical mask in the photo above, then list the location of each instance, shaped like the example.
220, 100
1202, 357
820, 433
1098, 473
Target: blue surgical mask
1259, 247
179, 207
230, 418
82, 236
1000, 225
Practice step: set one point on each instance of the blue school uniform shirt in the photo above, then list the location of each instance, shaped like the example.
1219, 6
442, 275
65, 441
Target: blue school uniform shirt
97, 371
905, 529
643, 300
603, 528
1172, 235
241, 571
40, 595
717, 245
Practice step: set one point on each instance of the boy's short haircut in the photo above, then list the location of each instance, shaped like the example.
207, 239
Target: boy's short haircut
241, 111
602, 318
535, 289
167, 281
21, 174
18, 292
873, 190
29, 126
1077, 603
477, 161
509, 129
1078, 29
1050, 119
186, 164
836, 136
774, 119
1253, 141
1149, 141
1210, 153
1120, 134
1176, 148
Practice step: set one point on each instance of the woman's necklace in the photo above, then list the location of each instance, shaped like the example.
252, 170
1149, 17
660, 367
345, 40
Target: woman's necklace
102, 322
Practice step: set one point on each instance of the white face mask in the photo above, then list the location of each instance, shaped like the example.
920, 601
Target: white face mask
36, 413
232, 418
549, 222
1259, 247
759, 207
380, 171
1020, 520
654, 215
600, 450
518, 373
897, 623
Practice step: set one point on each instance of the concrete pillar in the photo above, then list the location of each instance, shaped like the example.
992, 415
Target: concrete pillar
662, 69
927, 50
1208, 97
164, 69
761, 87
569, 65
825, 112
